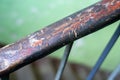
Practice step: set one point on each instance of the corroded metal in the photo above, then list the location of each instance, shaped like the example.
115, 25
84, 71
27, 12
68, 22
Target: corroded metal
58, 34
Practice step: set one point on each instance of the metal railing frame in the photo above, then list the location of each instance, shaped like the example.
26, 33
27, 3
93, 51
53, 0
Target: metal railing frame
59, 34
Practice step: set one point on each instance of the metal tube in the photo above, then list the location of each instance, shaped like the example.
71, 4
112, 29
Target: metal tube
58, 34
104, 53
64, 61
114, 73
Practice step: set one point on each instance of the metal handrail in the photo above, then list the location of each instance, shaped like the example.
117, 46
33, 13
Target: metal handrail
57, 35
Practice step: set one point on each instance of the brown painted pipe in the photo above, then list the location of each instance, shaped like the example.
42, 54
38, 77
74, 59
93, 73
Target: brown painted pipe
58, 34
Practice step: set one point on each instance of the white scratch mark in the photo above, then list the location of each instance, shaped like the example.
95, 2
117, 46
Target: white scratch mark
10, 53
42, 31
4, 63
79, 15
33, 42
107, 4
31, 36
112, 3
90, 9
70, 18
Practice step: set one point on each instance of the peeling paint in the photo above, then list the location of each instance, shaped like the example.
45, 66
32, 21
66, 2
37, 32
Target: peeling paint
42, 31
75, 33
10, 53
70, 18
107, 4
79, 15
35, 42
32, 36
90, 9
4, 63
112, 2
58, 34
20, 46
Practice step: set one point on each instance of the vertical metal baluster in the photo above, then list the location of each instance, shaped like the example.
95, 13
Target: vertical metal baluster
64, 61
114, 73
104, 54
5, 77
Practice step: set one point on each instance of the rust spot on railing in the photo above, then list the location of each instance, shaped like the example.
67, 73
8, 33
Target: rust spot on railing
56, 35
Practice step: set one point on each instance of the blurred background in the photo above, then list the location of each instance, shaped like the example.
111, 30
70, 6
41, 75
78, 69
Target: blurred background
19, 18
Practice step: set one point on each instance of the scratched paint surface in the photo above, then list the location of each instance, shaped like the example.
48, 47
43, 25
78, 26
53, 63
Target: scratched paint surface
37, 42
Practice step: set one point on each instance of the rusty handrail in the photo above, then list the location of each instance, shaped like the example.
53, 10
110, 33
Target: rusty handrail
58, 34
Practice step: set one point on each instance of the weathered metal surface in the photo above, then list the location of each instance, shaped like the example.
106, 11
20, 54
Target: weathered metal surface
51, 38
